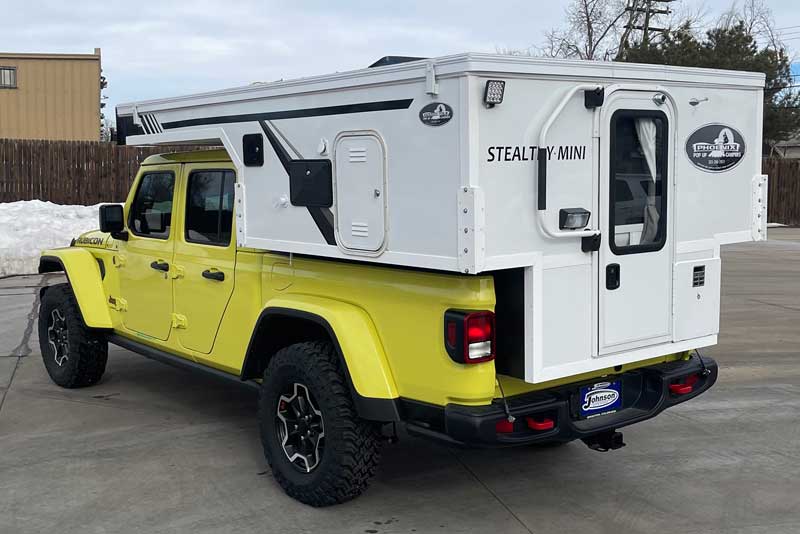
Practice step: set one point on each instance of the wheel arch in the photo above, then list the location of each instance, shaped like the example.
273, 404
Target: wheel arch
85, 280
361, 354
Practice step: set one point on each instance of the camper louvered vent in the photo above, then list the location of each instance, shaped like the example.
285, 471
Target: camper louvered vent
699, 276
359, 229
358, 155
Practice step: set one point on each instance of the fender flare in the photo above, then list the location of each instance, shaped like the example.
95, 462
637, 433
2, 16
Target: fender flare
85, 279
360, 351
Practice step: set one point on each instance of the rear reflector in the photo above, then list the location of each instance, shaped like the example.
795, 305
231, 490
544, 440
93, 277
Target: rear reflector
504, 426
544, 423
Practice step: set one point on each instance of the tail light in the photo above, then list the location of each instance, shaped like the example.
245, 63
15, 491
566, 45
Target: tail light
469, 337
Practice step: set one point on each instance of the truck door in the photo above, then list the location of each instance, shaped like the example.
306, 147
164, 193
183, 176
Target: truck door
146, 257
205, 254
635, 267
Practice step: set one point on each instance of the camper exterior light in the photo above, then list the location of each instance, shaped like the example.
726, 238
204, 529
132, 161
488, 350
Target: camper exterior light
493, 94
573, 218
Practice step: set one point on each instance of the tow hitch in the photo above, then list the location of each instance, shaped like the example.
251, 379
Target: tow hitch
605, 441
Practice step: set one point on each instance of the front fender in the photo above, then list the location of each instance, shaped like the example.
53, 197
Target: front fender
83, 274
355, 335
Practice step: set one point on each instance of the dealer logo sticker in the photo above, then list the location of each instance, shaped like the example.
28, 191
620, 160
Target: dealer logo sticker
600, 397
436, 114
715, 148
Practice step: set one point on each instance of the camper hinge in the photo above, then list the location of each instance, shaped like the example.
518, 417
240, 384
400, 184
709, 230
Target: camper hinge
431, 86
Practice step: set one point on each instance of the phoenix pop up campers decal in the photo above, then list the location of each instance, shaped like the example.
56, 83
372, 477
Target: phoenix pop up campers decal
436, 114
715, 147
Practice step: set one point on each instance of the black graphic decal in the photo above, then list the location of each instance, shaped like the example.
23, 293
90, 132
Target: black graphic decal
323, 217
715, 148
436, 114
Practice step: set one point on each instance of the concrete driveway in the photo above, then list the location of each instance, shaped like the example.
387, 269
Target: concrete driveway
155, 449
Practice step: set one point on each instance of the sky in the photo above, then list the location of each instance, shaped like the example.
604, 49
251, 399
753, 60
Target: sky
153, 49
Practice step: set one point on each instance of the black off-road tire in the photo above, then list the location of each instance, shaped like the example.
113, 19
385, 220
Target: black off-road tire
350, 452
83, 361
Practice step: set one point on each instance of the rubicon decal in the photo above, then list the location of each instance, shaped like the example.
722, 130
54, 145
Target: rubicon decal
436, 114
600, 397
715, 148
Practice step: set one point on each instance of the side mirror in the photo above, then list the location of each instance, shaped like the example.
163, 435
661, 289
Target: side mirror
112, 220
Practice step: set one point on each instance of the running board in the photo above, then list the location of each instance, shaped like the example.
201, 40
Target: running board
176, 361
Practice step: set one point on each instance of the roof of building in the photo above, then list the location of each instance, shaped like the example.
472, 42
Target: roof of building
38, 55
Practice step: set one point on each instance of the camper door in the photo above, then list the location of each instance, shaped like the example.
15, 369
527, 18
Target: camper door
635, 258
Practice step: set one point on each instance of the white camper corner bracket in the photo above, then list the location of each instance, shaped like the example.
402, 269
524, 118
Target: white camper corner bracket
431, 85
759, 207
238, 193
541, 214
471, 230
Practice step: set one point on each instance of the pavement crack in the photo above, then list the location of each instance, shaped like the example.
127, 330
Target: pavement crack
492, 493
789, 308
23, 349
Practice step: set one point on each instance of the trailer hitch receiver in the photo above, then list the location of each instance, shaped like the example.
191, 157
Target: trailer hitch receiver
605, 441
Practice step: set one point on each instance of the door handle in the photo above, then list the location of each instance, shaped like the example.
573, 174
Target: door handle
160, 266
612, 276
219, 276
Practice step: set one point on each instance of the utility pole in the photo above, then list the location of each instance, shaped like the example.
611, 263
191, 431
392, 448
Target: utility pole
643, 16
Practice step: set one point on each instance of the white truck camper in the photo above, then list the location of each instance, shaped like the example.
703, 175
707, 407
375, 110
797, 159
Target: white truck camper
596, 194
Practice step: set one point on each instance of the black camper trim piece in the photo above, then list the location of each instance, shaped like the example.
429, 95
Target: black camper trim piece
126, 127
394, 60
323, 217
364, 107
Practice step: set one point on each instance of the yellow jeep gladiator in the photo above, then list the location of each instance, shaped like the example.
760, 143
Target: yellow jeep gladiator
341, 351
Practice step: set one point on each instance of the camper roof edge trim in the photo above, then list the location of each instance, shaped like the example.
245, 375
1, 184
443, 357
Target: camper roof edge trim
462, 64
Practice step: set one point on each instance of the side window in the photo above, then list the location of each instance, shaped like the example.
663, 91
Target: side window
151, 212
638, 170
209, 207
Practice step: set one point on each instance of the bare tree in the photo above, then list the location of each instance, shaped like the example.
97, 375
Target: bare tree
592, 31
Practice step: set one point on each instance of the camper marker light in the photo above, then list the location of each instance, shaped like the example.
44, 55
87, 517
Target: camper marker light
573, 218
493, 93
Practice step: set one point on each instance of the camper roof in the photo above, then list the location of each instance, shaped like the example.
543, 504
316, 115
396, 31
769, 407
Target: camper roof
460, 64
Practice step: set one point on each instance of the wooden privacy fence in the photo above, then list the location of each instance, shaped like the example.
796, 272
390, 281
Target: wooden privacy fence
783, 200
70, 172
84, 172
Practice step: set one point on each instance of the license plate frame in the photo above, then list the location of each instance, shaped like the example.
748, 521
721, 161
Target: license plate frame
600, 398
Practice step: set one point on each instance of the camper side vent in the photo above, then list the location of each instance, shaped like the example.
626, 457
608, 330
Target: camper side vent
358, 155
699, 276
359, 229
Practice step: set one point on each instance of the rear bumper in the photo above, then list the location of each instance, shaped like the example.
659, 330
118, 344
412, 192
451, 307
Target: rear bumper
646, 393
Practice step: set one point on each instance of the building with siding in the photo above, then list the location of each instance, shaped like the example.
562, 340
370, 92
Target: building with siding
50, 96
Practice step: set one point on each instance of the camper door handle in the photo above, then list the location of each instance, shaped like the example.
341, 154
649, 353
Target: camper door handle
160, 266
541, 195
612, 276
219, 276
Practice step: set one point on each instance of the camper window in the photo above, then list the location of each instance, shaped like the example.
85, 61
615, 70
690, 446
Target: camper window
638, 209
151, 212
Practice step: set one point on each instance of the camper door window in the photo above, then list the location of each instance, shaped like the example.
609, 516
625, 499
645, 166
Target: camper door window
638, 211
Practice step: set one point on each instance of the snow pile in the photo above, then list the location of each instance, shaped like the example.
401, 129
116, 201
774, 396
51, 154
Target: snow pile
28, 226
